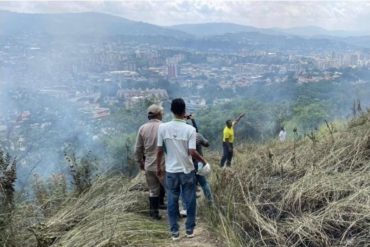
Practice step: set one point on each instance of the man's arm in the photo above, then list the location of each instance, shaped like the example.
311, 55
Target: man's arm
159, 163
194, 153
193, 122
203, 141
139, 151
192, 148
159, 151
237, 119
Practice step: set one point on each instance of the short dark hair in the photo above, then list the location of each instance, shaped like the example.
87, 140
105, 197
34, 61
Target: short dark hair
229, 121
178, 106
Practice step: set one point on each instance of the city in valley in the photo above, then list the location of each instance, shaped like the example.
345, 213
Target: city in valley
59, 83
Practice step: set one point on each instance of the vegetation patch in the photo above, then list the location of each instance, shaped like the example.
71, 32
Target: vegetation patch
298, 193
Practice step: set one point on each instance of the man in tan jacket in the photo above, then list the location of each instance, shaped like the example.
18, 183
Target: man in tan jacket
145, 155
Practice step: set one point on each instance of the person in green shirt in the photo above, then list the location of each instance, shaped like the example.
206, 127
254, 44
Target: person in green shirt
228, 140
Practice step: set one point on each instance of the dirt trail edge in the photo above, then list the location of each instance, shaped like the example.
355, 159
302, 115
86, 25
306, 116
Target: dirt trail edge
203, 237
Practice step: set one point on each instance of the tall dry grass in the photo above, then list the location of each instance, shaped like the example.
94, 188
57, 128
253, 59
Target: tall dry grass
111, 213
297, 193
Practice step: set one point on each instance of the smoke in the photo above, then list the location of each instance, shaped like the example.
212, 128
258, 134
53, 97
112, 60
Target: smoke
49, 104
58, 93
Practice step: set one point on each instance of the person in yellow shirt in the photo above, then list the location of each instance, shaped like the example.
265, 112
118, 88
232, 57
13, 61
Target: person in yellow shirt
228, 140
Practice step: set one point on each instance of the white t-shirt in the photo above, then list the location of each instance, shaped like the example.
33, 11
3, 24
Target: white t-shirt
176, 137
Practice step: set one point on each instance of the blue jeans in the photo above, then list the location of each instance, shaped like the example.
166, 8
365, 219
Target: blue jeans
176, 182
202, 180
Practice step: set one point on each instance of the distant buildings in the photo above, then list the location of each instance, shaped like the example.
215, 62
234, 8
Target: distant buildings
101, 112
131, 97
172, 71
195, 103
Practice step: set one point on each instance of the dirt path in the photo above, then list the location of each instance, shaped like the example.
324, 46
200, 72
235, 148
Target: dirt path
203, 237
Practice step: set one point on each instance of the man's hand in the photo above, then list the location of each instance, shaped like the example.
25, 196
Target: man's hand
188, 116
197, 156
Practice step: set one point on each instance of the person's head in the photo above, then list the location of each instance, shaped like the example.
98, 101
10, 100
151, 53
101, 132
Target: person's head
229, 123
178, 107
282, 129
155, 112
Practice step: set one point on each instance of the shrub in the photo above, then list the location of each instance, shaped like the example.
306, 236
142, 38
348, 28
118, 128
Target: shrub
7, 184
81, 170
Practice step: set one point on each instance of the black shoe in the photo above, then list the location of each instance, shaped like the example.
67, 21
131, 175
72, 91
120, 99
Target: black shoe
154, 205
162, 194
156, 216
189, 233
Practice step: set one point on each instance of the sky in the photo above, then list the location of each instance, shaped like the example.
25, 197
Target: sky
332, 15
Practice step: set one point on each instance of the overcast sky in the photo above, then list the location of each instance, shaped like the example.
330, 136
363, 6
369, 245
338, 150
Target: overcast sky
332, 15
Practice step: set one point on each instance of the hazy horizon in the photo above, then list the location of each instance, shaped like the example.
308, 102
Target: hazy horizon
353, 16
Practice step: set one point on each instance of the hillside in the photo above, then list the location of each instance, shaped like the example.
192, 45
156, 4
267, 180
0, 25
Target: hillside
91, 26
313, 191
78, 24
209, 29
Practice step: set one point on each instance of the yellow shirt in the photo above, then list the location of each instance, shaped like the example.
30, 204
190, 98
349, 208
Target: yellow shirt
228, 134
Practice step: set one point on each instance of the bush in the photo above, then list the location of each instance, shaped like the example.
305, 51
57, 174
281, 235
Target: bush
81, 170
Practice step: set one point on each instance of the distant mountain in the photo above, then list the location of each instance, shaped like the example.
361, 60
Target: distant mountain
361, 41
312, 31
211, 29
273, 43
207, 36
89, 23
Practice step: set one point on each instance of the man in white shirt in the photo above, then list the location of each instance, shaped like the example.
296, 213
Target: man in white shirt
178, 141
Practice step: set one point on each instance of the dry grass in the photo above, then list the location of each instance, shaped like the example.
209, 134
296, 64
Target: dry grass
109, 214
113, 213
300, 193
297, 193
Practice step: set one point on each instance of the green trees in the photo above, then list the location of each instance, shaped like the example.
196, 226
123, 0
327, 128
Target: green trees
120, 154
263, 120
257, 124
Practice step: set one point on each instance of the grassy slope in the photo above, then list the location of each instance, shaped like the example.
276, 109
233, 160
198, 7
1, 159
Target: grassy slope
297, 193
114, 213
111, 213
309, 192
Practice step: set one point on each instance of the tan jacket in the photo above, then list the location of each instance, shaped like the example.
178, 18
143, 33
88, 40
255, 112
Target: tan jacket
146, 144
